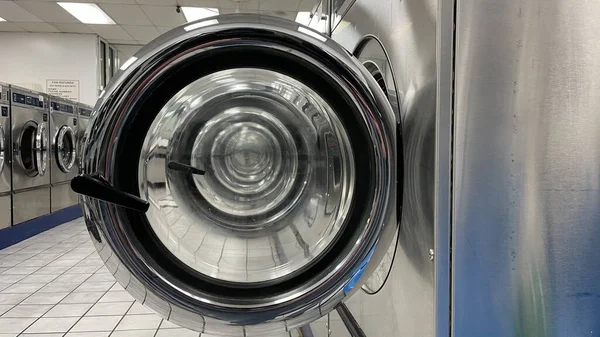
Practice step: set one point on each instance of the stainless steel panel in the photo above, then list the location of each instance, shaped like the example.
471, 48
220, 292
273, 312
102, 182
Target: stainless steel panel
5, 211
445, 36
19, 117
62, 196
21, 114
5, 175
526, 236
408, 31
30, 204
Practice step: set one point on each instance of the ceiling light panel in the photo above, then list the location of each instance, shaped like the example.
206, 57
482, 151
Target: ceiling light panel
87, 13
198, 13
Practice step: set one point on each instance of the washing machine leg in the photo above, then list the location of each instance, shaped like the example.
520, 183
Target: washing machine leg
349, 321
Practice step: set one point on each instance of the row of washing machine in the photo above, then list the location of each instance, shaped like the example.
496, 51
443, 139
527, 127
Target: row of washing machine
39, 137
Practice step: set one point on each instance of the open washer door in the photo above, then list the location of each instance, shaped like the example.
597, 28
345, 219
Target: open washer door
240, 175
65, 148
41, 149
371, 52
31, 153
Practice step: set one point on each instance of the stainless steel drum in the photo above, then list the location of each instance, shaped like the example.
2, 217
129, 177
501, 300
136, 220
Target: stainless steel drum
240, 175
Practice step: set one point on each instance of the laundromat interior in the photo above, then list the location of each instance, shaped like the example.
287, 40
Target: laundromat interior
299, 168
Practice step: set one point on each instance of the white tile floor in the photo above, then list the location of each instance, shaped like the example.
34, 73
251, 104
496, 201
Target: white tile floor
55, 284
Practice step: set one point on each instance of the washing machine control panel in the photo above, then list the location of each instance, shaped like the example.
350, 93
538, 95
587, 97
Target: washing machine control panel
4, 111
28, 100
85, 112
66, 108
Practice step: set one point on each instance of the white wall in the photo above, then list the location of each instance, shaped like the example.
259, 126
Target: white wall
29, 59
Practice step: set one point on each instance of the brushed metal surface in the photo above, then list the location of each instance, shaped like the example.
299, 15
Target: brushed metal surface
30, 204
61, 196
21, 114
5, 213
5, 176
408, 31
445, 36
526, 235
107, 133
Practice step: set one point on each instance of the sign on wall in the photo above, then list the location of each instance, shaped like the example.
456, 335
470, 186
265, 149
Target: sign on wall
68, 89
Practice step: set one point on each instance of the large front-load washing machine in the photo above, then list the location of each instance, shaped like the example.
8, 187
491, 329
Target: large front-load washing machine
5, 157
31, 147
239, 175
63, 152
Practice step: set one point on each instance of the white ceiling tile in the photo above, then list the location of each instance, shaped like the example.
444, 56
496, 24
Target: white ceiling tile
126, 14
111, 32
10, 27
163, 30
38, 27
116, 2
200, 3
47, 11
164, 15
241, 5
113, 41
307, 5
142, 33
279, 5
73, 28
158, 2
10, 11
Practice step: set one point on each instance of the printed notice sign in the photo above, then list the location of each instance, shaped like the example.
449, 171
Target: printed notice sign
68, 89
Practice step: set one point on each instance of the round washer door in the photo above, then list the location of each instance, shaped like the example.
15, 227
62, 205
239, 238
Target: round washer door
27, 148
239, 175
371, 52
2, 148
41, 149
65, 148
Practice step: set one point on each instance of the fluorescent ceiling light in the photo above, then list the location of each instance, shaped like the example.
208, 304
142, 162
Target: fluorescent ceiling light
87, 13
303, 17
200, 24
312, 33
197, 13
2, 19
128, 63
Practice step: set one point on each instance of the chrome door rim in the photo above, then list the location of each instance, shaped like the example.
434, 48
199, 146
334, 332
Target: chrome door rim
258, 34
29, 126
65, 166
2, 148
379, 278
41, 149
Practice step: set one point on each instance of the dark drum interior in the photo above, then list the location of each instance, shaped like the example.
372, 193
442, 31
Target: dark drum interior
27, 147
67, 147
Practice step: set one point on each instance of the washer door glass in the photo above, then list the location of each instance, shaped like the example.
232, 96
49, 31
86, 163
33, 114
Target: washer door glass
248, 164
2, 148
65, 148
41, 149
27, 148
